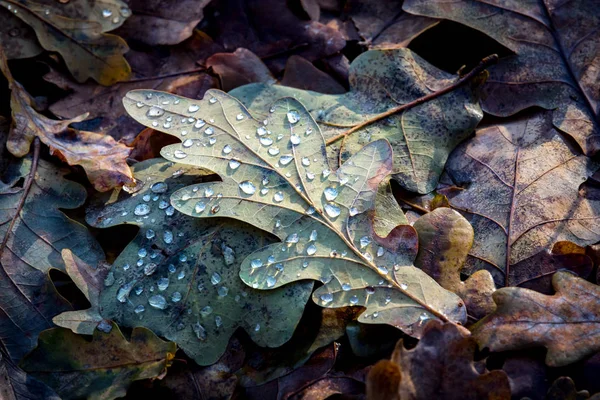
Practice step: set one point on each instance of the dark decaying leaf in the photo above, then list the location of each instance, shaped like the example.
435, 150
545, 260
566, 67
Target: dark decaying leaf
276, 176
422, 137
179, 276
441, 366
302, 74
445, 238
76, 32
564, 389
15, 384
28, 300
102, 368
566, 323
519, 187
555, 66
103, 159
239, 68
17, 38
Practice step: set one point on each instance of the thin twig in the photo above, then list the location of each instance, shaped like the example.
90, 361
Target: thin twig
483, 64
26, 189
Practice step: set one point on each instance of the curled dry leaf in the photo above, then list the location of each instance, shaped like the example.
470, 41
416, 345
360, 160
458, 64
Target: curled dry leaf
422, 137
102, 368
445, 238
518, 184
556, 66
179, 276
76, 32
239, 68
102, 158
28, 299
441, 366
276, 176
566, 323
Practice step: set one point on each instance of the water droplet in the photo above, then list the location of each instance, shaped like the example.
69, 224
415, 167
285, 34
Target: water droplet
305, 264
256, 263
212, 100
330, 193
226, 149
218, 321
199, 331
239, 117
234, 164
200, 123
176, 297
327, 298
166, 125
158, 301
228, 254
293, 116
266, 141
155, 112
199, 207
141, 209
423, 317
206, 311
159, 187
354, 299
106, 13
180, 154
278, 197
208, 191
193, 108
260, 131
310, 176
292, 238
247, 187
403, 286
346, 287
295, 139
365, 241
311, 249
142, 252
139, 290
222, 291
388, 299
380, 251
187, 143
257, 328
308, 131
126, 12
370, 290
286, 159
382, 269
162, 284
326, 173
215, 209
168, 237
332, 210
209, 131
273, 151
181, 275
150, 268
271, 281
215, 278
139, 309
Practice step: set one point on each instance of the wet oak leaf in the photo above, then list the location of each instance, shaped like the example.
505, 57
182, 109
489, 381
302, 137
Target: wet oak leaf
102, 158
445, 238
422, 137
566, 323
441, 366
17, 38
518, 184
179, 276
556, 62
276, 176
88, 51
102, 368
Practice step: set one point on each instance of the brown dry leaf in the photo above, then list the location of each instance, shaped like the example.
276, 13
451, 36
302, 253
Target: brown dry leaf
441, 366
160, 22
518, 184
77, 32
239, 68
567, 323
445, 238
383, 24
147, 144
556, 67
302, 74
174, 69
271, 30
103, 159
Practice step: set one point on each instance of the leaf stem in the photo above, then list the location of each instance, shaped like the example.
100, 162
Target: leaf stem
483, 64
26, 189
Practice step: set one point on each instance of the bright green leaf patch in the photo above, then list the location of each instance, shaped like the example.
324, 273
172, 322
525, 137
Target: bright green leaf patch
276, 176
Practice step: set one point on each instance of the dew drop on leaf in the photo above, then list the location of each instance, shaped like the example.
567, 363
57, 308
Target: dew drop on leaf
162, 284
247, 187
326, 298
215, 278
176, 297
293, 116
278, 197
256, 263
332, 210
142, 209
150, 268
234, 164
311, 249
330, 193
271, 281
155, 112
158, 301
159, 187
139, 309
286, 159
193, 108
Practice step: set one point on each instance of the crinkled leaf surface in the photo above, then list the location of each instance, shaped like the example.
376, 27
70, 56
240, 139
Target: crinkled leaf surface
76, 32
28, 300
275, 176
102, 158
520, 189
179, 276
15, 384
422, 137
566, 323
102, 368
556, 63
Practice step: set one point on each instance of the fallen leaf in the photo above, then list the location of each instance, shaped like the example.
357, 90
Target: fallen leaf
527, 376
177, 263
302, 74
564, 389
99, 369
15, 384
276, 177
422, 137
554, 66
160, 22
147, 144
76, 32
565, 323
445, 238
518, 185
102, 158
239, 68
440, 366
17, 38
